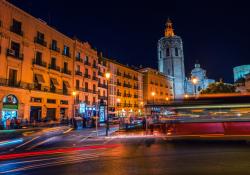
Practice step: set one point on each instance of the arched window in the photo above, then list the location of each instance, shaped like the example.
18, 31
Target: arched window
176, 52
168, 52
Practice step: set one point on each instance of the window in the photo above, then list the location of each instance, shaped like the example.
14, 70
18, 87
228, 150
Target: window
38, 58
65, 66
52, 101
86, 85
52, 86
65, 88
160, 54
66, 51
53, 62
86, 71
15, 49
54, 45
77, 84
94, 100
12, 77
94, 63
86, 99
16, 27
168, 52
40, 36
176, 52
78, 55
94, 87
86, 59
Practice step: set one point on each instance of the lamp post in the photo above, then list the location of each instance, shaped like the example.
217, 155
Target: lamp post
107, 75
74, 95
195, 81
153, 95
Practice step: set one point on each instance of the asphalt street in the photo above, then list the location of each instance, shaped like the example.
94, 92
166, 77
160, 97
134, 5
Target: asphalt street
80, 152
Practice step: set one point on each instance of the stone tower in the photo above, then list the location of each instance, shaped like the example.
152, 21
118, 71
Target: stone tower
171, 59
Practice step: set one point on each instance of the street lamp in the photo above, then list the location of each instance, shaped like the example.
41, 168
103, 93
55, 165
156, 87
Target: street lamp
74, 95
153, 95
107, 75
195, 82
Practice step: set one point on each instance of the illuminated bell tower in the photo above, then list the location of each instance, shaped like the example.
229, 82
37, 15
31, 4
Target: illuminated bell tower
171, 59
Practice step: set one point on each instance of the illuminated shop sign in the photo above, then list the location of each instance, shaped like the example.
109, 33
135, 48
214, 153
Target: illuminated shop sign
102, 113
10, 102
82, 108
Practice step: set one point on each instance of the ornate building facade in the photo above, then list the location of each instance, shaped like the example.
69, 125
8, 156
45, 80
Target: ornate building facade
197, 81
171, 59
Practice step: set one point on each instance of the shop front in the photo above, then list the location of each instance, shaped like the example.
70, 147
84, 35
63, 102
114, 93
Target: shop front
87, 112
9, 109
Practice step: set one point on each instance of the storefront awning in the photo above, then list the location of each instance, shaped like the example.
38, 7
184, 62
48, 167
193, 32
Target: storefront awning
54, 81
39, 78
66, 84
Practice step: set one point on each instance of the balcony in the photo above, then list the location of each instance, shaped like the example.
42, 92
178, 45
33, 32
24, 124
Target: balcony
95, 66
31, 86
87, 76
118, 83
40, 41
136, 105
16, 30
127, 76
95, 78
102, 85
119, 94
136, 79
39, 63
87, 63
119, 105
95, 92
79, 59
127, 85
54, 67
87, 90
100, 73
102, 97
118, 73
10, 83
87, 102
54, 48
78, 73
65, 71
14, 54
67, 54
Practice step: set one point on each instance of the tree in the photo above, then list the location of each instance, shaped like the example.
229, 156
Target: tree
219, 87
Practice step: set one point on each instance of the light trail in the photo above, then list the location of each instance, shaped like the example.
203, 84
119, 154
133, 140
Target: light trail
55, 151
40, 143
72, 160
27, 142
11, 142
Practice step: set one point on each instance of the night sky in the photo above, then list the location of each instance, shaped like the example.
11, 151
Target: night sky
217, 33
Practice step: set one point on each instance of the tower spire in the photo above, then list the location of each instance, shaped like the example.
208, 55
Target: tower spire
169, 31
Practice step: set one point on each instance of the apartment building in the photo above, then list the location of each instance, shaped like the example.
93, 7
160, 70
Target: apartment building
157, 87
41, 68
88, 81
125, 90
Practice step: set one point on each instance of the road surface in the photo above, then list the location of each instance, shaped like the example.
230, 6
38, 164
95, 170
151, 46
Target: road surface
80, 153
